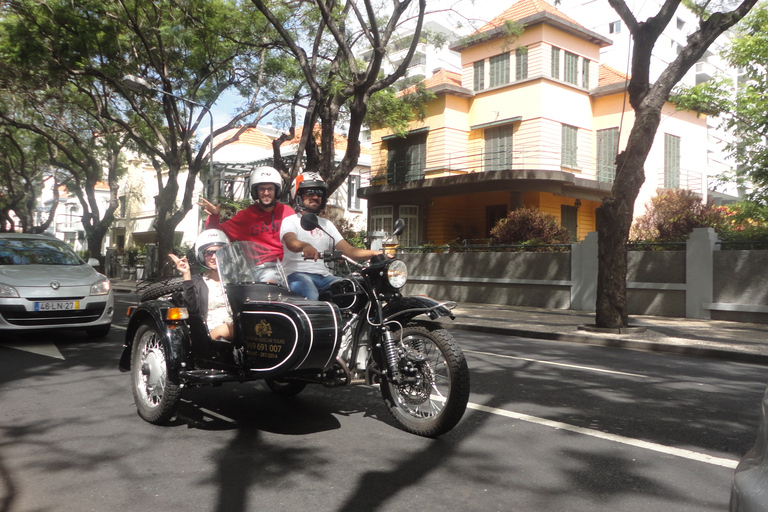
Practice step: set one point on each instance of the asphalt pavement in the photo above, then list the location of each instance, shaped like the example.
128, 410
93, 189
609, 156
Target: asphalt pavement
731, 341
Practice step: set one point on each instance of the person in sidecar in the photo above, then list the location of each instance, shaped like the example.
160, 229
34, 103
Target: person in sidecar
260, 222
306, 275
204, 294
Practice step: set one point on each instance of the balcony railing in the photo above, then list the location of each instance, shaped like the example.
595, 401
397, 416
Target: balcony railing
683, 179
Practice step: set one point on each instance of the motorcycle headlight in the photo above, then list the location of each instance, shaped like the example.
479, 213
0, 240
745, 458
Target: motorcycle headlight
101, 287
397, 273
7, 291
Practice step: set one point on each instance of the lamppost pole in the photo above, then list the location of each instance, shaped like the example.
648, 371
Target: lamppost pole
136, 83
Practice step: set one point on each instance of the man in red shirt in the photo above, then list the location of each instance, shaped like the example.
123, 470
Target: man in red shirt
261, 221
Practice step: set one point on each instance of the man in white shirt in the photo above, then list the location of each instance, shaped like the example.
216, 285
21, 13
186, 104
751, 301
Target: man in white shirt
307, 275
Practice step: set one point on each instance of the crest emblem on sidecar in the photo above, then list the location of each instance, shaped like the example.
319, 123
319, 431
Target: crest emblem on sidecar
263, 329
55, 285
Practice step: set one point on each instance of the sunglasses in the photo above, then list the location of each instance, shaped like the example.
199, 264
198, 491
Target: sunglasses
209, 252
314, 192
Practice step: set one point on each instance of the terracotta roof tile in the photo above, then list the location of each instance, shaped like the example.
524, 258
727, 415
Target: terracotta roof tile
440, 77
250, 137
608, 76
523, 9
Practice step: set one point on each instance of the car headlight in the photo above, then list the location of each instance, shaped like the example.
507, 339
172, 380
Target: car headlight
101, 287
397, 273
7, 291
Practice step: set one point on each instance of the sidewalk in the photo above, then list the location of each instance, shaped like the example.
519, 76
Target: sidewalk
730, 341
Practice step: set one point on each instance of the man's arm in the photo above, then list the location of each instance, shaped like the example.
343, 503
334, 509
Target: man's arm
293, 244
356, 253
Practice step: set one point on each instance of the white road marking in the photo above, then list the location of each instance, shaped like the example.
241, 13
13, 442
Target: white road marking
669, 450
42, 348
575, 366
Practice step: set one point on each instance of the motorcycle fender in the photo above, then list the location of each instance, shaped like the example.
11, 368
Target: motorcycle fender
175, 339
406, 308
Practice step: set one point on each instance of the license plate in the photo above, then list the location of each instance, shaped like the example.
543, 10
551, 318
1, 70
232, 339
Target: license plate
58, 305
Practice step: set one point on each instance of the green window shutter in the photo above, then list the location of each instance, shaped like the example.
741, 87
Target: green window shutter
569, 137
585, 73
521, 63
607, 149
498, 148
499, 69
571, 69
555, 62
479, 79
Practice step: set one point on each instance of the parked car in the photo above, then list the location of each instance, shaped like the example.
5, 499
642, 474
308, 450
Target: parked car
749, 492
44, 284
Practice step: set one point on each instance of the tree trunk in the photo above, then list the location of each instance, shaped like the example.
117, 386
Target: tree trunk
614, 218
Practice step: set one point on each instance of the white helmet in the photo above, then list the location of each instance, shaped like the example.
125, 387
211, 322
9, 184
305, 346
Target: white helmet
307, 180
206, 239
265, 174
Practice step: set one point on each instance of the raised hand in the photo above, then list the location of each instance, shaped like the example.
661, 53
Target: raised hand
209, 207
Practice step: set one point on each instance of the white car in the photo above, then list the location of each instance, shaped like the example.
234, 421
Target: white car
749, 489
44, 284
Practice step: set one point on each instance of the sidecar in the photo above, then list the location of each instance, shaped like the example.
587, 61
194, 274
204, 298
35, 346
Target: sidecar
278, 334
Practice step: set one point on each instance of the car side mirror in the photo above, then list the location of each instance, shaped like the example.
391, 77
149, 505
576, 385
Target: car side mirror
94, 262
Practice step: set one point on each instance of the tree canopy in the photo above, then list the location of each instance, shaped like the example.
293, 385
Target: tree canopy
189, 52
742, 107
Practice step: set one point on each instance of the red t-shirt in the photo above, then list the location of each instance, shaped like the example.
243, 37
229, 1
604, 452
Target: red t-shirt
255, 225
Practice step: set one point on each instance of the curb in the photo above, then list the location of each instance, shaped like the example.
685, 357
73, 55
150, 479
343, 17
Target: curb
645, 346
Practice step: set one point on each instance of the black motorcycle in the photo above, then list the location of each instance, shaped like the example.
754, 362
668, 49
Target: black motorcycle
361, 331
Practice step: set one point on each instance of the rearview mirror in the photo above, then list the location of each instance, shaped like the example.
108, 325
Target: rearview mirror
309, 221
399, 227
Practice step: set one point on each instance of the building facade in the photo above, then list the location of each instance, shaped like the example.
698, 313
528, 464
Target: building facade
535, 120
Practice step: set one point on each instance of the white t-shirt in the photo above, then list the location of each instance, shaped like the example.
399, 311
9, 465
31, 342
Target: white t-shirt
294, 261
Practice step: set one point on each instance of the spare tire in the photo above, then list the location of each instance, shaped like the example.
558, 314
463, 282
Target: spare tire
161, 289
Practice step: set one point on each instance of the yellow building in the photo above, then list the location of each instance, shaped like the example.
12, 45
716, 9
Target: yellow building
531, 121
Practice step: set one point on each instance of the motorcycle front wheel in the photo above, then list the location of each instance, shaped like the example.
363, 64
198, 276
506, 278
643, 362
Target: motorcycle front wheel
433, 397
156, 394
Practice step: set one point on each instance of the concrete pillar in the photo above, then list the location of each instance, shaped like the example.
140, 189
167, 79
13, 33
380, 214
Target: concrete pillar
584, 273
699, 260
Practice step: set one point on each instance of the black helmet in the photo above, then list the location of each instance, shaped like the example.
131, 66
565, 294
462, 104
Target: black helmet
304, 181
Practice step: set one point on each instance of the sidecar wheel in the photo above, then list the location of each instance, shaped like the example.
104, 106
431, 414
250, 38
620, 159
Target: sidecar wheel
435, 397
286, 387
155, 390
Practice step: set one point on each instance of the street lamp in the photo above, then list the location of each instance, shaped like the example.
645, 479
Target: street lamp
138, 84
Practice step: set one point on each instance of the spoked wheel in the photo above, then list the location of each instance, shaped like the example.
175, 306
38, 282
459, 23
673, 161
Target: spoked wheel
156, 394
286, 387
434, 395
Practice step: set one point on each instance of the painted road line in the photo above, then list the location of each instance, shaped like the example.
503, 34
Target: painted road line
566, 365
669, 450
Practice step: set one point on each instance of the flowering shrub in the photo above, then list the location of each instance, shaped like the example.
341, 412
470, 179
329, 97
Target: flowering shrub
672, 215
529, 226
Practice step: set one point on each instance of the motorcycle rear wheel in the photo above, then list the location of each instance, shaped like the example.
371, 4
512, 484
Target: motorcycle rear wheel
155, 392
435, 403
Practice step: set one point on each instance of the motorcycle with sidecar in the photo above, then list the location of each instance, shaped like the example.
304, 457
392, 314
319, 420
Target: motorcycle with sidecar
360, 331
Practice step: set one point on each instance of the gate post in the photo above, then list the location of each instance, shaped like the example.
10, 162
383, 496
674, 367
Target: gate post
699, 263
584, 273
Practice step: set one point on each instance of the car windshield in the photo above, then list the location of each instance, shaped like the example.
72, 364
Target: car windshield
29, 251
